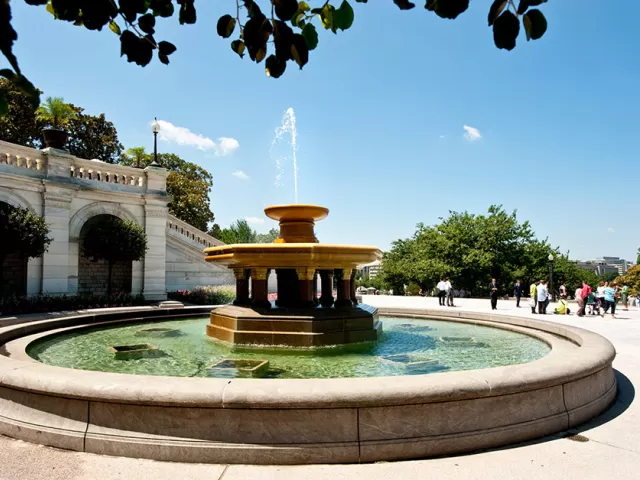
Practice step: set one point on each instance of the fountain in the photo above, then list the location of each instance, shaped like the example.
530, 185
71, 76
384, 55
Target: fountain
299, 318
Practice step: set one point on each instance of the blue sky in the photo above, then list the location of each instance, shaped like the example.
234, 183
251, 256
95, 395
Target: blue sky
381, 111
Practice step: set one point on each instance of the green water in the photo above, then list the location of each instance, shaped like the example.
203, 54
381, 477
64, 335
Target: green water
187, 351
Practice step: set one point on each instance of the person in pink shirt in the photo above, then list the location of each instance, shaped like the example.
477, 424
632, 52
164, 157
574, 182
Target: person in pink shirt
586, 290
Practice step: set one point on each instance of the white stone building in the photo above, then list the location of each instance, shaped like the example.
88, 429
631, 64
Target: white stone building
69, 192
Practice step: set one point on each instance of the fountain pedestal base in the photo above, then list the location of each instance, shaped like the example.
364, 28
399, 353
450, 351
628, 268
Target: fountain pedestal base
311, 327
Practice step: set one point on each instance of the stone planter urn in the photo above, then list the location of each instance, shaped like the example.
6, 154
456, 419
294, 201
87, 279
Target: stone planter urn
55, 138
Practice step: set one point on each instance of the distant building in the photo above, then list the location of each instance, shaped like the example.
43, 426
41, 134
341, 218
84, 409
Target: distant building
605, 265
370, 269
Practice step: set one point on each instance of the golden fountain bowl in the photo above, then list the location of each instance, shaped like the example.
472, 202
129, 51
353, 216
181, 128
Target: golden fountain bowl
296, 212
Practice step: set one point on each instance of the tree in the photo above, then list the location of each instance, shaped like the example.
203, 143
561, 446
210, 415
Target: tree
238, 232
187, 183
289, 25
470, 249
19, 124
114, 240
55, 114
268, 237
93, 137
631, 279
22, 233
638, 259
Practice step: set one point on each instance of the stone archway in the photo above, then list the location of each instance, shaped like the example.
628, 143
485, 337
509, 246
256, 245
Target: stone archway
76, 226
14, 269
93, 274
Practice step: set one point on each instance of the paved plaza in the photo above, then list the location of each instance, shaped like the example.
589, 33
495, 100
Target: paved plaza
611, 449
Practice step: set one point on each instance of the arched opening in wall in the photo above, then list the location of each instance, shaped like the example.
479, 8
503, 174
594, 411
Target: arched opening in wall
93, 275
13, 271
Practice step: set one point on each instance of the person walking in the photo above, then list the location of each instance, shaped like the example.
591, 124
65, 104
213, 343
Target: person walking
624, 293
517, 292
579, 300
449, 293
610, 294
534, 297
600, 297
493, 289
542, 298
584, 294
441, 287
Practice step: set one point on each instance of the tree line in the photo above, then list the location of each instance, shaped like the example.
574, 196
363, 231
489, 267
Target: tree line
471, 249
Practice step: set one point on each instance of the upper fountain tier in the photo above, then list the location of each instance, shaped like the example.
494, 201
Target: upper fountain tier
295, 247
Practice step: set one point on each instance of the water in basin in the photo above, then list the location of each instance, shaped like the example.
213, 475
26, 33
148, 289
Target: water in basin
407, 347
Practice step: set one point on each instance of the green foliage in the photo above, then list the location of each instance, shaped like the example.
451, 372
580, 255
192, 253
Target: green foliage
19, 124
287, 27
56, 114
268, 237
237, 232
470, 249
376, 282
47, 303
188, 185
241, 232
631, 279
114, 240
23, 233
90, 136
93, 137
210, 295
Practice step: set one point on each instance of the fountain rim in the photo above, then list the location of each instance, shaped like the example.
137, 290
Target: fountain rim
561, 365
296, 212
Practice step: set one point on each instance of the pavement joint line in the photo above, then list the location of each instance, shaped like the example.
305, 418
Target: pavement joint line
226, 467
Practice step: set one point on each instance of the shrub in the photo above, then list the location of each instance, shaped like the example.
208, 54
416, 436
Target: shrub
209, 295
16, 305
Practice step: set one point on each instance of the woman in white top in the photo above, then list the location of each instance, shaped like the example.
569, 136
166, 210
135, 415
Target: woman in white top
600, 297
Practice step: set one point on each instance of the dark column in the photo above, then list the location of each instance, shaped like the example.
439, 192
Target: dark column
352, 288
344, 287
326, 283
305, 285
259, 288
242, 286
288, 294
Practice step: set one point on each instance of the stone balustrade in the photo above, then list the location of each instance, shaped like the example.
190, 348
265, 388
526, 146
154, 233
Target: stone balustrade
186, 232
21, 157
107, 173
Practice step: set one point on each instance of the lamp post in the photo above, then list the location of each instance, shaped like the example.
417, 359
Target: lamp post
551, 276
155, 128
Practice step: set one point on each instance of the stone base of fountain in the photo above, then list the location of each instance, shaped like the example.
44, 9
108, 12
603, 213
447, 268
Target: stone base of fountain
314, 327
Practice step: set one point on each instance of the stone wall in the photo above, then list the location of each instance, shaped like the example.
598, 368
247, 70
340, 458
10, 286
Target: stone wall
15, 276
187, 269
93, 276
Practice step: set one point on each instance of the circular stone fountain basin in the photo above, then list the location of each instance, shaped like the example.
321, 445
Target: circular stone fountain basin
407, 347
293, 421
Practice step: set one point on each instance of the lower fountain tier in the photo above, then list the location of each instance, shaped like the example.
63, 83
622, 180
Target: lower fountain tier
310, 327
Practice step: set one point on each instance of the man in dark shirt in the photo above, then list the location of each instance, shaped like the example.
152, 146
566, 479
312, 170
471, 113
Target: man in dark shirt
493, 288
517, 292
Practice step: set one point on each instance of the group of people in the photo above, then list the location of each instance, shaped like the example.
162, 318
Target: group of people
540, 296
603, 300
445, 292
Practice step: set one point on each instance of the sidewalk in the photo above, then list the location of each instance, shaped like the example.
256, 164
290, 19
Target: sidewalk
612, 449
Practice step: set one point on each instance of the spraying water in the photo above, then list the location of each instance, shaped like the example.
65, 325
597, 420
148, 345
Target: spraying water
288, 125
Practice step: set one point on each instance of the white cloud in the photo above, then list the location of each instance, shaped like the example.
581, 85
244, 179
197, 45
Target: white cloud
611, 230
254, 219
441, 136
472, 134
183, 136
240, 174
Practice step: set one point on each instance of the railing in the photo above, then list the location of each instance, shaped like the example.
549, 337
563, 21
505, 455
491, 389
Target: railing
186, 232
22, 157
107, 173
